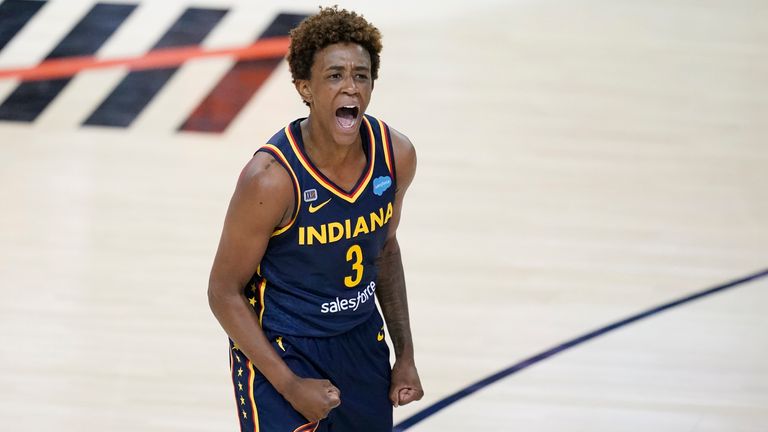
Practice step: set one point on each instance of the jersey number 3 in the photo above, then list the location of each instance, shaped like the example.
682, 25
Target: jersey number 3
355, 256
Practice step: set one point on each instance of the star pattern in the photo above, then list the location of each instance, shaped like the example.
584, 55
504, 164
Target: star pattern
241, 390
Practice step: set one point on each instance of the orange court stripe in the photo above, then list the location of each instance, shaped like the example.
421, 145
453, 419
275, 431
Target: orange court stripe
161, 58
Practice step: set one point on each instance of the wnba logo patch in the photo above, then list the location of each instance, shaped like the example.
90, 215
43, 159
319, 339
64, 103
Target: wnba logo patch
310, 195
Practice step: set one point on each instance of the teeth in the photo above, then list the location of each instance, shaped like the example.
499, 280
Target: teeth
350, 106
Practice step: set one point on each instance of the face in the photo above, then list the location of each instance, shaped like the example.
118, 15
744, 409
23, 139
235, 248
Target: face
339, 90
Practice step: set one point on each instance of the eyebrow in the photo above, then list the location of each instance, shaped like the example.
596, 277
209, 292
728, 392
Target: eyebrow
338, 67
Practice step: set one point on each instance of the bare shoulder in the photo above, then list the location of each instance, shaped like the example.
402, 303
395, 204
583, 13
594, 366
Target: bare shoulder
266, 188
263, 171
262, 198
405, 158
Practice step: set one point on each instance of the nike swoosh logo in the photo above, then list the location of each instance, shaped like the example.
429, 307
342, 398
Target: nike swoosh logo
313, 208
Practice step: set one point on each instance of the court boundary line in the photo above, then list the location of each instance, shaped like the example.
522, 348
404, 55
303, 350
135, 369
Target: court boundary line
479, 385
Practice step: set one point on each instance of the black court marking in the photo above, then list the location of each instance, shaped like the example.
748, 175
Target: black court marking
14, 15
239, 84
138, 88
443, 403
29, 99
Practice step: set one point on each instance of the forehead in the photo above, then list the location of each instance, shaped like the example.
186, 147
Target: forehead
342, 54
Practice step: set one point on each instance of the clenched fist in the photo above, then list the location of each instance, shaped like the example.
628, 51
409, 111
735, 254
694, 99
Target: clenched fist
312, 398
405, 386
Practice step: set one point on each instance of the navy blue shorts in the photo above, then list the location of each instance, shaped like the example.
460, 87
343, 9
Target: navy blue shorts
357, 362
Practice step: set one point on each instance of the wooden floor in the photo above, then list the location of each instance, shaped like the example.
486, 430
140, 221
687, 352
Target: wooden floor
579, 162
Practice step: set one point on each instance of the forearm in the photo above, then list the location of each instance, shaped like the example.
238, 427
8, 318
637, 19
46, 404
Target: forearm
391, 292
241, 323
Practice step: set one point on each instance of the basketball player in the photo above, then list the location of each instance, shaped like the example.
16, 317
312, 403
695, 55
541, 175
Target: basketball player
309, 242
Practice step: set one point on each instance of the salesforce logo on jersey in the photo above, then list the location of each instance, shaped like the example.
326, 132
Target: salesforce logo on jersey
381, 184
352, 303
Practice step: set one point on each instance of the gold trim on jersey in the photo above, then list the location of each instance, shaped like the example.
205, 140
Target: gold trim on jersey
346, 196
250, 396
385, 141
295, 179
306, 427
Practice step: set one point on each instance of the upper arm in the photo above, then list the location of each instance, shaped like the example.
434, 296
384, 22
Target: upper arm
262, 200
405, 163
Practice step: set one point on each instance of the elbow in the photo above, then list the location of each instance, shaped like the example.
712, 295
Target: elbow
222, 293
214, 295
211, 297
212, 300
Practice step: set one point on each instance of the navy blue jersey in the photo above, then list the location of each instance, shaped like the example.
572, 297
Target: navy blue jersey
318, 275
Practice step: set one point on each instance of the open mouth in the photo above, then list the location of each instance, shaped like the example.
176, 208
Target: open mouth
346, 116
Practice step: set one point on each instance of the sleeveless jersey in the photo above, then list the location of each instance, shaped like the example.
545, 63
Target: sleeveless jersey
318, 274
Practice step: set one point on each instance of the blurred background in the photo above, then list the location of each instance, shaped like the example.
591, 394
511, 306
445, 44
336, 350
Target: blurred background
579, 162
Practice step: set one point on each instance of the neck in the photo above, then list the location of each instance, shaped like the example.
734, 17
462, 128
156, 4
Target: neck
323, 149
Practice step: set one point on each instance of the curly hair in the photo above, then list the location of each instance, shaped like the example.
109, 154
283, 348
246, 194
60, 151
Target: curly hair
329, 27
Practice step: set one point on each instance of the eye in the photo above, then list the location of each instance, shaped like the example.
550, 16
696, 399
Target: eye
334, 76
362, 77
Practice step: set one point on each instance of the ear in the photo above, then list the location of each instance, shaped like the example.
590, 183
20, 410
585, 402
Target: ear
302, 86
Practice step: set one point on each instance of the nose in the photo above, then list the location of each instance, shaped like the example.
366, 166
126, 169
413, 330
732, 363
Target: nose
350, 85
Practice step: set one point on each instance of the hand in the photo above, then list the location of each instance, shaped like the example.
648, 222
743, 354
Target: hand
405, 386
312, 398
